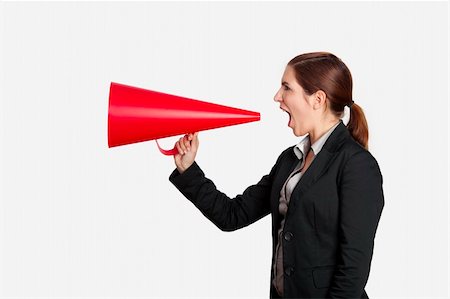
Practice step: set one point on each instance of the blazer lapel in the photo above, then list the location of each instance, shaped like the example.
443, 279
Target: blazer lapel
314, 172
287, 166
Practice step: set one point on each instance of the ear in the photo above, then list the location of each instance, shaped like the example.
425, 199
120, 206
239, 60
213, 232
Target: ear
319, 99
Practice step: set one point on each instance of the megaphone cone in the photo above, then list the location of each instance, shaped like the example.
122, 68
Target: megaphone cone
137, 115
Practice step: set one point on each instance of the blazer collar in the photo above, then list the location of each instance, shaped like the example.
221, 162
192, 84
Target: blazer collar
317, 168
337, 137
323, 160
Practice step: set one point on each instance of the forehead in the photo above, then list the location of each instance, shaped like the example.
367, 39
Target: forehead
289, 76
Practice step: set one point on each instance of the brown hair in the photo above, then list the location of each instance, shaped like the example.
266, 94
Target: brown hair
324, 71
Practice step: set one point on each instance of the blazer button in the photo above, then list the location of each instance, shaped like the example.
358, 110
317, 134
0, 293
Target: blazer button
288, 236
289, 271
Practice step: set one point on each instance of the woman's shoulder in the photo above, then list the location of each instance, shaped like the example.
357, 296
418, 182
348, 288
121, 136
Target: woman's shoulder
354, 153
351, 147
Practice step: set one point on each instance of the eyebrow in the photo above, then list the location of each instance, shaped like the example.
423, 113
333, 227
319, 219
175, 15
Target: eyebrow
284, 83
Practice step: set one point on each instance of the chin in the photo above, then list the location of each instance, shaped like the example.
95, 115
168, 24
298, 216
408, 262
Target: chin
297, 133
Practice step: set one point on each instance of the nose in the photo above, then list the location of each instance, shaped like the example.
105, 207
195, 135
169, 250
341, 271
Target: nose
278, 97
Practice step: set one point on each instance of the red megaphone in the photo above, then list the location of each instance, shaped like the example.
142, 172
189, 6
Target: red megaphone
137, 115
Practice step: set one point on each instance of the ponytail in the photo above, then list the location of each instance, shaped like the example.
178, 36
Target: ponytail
357, 126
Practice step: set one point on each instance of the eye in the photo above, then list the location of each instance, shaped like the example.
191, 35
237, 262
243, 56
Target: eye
286, 88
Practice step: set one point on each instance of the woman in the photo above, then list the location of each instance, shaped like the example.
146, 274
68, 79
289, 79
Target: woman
325, 193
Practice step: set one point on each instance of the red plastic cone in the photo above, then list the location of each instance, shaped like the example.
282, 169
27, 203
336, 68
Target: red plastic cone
137, 115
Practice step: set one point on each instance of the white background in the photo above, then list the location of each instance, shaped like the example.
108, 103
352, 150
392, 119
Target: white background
79, 219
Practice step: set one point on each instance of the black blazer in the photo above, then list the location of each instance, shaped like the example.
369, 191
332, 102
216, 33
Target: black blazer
331, 221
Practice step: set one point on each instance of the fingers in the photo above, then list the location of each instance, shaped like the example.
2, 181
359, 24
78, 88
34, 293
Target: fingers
180, 150
187, 143
184, 144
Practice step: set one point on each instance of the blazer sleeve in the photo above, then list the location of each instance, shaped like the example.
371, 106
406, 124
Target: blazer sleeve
226, 213
361, 202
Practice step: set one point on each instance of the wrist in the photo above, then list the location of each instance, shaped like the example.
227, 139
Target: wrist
183, 168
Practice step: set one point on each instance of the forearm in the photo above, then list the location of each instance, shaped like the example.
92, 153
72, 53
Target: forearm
226, 213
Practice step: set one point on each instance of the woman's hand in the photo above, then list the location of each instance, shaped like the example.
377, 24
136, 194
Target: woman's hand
187, 150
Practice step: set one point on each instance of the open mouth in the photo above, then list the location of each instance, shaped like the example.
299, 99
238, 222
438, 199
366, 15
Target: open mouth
290, 118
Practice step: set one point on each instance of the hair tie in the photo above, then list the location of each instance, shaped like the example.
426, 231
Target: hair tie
351, 104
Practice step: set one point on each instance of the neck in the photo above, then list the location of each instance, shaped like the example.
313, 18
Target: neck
321, 129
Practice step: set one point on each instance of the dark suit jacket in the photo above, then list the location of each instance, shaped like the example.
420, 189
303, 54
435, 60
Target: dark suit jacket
331, 221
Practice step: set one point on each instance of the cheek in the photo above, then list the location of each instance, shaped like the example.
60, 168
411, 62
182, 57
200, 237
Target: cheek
292, 102
303, 108
298, 110
301, 115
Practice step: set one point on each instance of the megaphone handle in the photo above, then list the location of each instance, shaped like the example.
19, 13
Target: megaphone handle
171, 152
